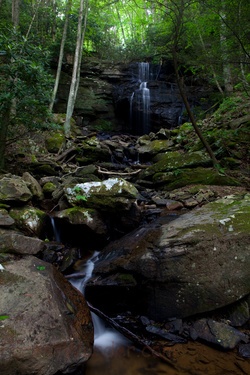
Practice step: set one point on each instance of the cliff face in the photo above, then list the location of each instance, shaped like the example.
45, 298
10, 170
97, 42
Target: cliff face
113, 96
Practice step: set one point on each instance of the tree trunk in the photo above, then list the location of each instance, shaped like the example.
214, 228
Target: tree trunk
15, 12
76, 71
189, 111
59, 66
4, 121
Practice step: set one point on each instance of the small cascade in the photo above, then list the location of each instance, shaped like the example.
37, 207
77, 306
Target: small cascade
140, 102
56, 232
104, 338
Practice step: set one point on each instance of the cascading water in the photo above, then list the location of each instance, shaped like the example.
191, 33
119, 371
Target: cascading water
140, 101
56, 231
104, 338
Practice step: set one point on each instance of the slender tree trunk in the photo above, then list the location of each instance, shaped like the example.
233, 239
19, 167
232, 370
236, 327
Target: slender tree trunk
76, 71
60, 60
120, 20
33, 18
227, 74
211, 66
15, 12
81, 48
4, 123
189, 111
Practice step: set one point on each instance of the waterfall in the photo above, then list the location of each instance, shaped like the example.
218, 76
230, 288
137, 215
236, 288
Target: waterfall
104, 338
56, 231
140, 101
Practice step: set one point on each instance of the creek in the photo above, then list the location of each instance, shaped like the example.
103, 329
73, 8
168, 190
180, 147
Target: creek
114, 354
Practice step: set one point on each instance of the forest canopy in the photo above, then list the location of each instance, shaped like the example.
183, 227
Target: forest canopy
209, 38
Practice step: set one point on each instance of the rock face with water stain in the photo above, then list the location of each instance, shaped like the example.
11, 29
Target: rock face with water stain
196, 263
45, 322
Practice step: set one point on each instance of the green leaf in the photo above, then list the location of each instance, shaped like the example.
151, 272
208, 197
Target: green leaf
3, 317
40, 268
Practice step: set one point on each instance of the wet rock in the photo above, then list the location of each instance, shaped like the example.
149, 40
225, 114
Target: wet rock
218, 333
244, 350
33, 185
165, 334
172, 262
238, 315
48, 326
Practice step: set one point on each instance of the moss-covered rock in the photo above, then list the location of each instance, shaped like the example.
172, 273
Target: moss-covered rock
194, 264
154, 147
113, 194
182, 177
14, 189
29, 219
54, 141
49, 187
176, 160
84, 216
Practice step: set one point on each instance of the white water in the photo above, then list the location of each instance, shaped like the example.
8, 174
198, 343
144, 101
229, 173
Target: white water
141, 97
55, 230
105, 338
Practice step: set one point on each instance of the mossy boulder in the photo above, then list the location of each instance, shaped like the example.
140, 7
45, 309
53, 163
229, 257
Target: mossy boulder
183, 177
48, 188
33, 185
154, 147
29, 219
194, 264
84, 216
54, 141
176, 160
92, 150
110, 195
14, 189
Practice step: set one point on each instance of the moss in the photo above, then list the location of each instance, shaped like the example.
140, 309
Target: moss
184, 177
49, 187
54, 142
126, 278
175, 160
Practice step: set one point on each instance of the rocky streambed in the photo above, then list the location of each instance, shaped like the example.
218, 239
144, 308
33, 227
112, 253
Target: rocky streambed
174, 239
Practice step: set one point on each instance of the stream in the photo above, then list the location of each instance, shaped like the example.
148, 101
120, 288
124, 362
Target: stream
113, 353
116, 355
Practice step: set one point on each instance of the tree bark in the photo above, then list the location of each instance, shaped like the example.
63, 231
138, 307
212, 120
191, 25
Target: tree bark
15, 12
4, 123
76, 71
130, 335
60, 60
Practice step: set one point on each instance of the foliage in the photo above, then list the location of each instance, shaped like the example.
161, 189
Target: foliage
24, 80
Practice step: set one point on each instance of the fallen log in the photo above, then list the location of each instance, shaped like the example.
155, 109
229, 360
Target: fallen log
143, 344
118, 173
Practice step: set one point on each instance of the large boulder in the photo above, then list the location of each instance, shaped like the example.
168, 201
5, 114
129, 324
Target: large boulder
45, 323
194, 264
113, 194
